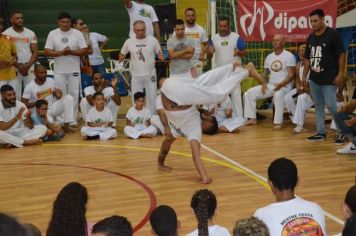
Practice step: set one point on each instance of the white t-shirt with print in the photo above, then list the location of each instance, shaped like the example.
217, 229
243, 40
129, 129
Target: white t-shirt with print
9, 113
293, 216
96, 116
107, 91
96, 58
142, 52
144, 12
198, 34
23, 42
58, 40
35, 92
214, 230
138, 117
278, 66
225, 48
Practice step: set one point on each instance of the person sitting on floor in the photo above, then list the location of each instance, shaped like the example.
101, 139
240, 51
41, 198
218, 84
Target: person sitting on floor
113, 226
164, 221
40, 117
138, 120
99, 121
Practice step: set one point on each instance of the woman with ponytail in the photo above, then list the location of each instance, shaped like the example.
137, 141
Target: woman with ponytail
349, 210
204, 206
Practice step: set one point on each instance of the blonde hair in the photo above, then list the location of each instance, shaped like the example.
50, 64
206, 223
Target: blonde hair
250, 227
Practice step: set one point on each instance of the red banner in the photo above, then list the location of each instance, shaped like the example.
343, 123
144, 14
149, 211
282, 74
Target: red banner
261, 20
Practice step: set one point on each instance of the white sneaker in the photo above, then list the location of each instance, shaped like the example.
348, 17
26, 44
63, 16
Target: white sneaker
348, 149
298, 129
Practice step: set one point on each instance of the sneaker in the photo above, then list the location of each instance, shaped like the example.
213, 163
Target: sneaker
317, 137
348, 149
298, 129
340, 139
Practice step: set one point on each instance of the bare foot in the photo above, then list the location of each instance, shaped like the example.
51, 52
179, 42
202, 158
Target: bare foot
85, 137
165, 168
33, 142
147, 135
206, 181
251, 122
277, 127
9, 145
67, 129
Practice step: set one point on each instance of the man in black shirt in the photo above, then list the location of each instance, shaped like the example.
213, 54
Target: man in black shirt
325, 57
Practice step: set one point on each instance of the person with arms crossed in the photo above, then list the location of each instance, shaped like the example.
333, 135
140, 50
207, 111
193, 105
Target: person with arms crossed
27, 50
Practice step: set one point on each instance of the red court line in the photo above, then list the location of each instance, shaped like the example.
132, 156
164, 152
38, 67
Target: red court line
150, 193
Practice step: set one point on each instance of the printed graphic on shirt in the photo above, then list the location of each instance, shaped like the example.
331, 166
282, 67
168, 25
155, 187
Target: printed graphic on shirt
300, 225
316, 53
193, 35
20, 40
140, 55
276, 66
145, 13
44, 93
180, 47
64, 40
139, 120
99, 120
224, 43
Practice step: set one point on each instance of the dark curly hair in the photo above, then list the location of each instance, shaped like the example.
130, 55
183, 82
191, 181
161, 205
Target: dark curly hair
350, 201
204, 204
114, 226
69, 208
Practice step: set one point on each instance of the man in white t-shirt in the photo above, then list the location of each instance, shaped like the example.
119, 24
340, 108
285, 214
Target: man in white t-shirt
111, 95
138, 10
198, 34
279, 72
228, 47
41, 87
289, 215
67, 45
96, 59
27, 50
142, 49
180, 50
16, 126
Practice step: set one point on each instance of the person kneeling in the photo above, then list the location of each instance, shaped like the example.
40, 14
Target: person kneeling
138, 120
40, 117
99, 121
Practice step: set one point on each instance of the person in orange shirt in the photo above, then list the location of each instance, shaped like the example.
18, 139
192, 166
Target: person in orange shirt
7, 59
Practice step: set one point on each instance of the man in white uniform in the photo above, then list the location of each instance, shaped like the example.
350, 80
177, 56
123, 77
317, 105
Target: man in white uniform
138, 10
228, 47
198, 34
59, 105
279, 72
16, 126
289, 215
179, 99
143, 49
67, 45
27, 50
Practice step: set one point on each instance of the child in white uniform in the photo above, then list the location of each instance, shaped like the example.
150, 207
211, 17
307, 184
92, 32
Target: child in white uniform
138, 120
99, 121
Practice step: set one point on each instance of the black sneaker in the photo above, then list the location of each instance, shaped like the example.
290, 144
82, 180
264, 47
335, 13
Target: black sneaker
316, 138
340, 140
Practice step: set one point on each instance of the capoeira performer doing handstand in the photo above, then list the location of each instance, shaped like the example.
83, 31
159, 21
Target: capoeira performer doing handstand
179, 99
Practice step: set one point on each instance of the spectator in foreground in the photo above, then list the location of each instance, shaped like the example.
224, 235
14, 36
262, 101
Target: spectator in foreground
164, 221
113, 226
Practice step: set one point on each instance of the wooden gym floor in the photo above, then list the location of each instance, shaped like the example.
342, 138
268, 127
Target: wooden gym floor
122, 177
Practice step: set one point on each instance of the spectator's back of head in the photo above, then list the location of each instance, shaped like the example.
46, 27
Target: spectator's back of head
250, 227
164, 221
350, 202
32, 230
113, 226
283, 174
350, 199
11, 227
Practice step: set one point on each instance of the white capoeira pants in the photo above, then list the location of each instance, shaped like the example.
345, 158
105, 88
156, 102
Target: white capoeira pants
232, 123
85, 108
69, 83
298, 106
156, 122
63, 108
136, 132
211, 87
255, 93
149, 83
18, 136
22, 81
104, 133
236, 100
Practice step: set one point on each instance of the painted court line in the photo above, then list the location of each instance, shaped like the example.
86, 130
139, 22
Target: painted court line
222, 156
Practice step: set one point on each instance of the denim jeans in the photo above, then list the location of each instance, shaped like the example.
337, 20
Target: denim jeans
323, 95
349, 132
99, 68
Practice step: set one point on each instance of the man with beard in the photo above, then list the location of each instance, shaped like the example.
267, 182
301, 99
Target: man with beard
27, 50
16, 127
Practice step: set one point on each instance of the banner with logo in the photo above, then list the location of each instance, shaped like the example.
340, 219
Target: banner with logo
261, 20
